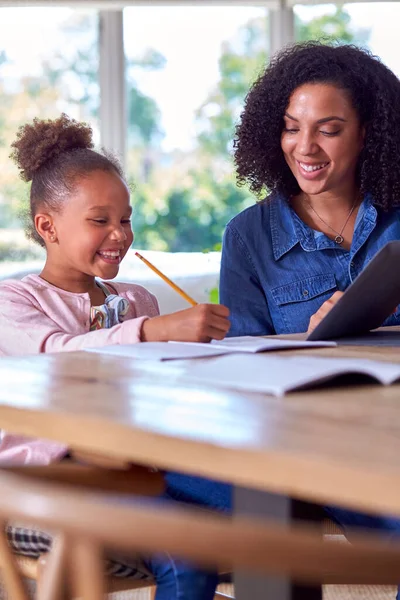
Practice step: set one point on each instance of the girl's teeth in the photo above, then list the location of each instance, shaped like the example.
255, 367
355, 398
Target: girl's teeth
310, 168
110, 254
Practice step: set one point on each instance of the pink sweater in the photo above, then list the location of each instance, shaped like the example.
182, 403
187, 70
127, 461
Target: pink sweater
37, 317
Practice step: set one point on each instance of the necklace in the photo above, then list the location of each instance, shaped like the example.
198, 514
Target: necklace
339, 239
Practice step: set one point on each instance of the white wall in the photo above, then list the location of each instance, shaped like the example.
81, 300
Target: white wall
196, 273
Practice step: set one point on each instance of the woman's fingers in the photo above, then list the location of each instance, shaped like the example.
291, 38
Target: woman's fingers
323, 310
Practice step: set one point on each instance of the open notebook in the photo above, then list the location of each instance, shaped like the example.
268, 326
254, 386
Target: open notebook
186, 350
280, 374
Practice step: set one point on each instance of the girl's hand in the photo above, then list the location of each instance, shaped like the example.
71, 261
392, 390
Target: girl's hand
323, 311
202, 323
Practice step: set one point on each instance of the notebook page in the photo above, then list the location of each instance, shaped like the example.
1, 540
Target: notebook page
384, 372
159, 351
278, 374
259, 344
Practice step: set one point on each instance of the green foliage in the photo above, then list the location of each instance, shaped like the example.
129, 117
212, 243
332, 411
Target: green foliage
192, 216
74, 71
214, 296
19, 253
181, 203
143, 118
241, 61
332, 27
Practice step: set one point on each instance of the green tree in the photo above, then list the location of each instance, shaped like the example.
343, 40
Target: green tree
70, 77
332, 27
144, 116
243, 58
194, 213
75, 75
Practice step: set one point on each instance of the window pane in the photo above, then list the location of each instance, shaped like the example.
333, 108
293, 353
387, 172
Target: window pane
369, 24
189, 69
54, 70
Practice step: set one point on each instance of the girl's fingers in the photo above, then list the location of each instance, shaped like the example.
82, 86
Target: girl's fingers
220, 323
215, 334
220, 310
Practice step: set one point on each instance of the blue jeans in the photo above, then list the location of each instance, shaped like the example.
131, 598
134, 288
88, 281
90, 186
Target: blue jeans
178, 580
175, 579
216, 495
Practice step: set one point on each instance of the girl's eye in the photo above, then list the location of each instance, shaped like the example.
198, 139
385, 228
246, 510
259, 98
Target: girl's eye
288, 130
126, 221
101, 221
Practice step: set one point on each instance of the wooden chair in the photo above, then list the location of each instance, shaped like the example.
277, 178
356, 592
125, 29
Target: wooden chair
31, 569
83, 526
129, 478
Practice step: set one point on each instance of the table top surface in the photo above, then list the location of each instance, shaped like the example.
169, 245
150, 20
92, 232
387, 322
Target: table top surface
338, 445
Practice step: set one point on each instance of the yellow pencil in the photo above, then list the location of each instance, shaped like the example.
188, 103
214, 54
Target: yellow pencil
167, 280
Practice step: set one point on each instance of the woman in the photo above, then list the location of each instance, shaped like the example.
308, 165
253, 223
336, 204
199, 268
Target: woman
320, 133
319, 137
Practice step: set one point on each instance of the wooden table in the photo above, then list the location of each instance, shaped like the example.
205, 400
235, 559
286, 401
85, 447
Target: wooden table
337, 446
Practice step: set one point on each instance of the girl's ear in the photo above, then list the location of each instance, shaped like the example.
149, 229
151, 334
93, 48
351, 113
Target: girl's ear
44, 225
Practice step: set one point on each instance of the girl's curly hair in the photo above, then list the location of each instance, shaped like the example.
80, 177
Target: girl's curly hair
54, 155
374, 91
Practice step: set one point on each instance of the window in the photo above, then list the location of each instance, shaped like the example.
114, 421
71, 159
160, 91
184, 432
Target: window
188, 70
54, 70
368, 24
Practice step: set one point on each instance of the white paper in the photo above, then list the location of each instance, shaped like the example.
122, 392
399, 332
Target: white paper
252, 344
159, 351
186, 350
280, 374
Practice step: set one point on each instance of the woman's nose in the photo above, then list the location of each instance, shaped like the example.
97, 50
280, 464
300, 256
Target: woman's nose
306, 144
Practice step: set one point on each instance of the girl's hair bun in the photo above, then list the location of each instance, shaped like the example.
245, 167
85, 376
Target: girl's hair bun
44, 140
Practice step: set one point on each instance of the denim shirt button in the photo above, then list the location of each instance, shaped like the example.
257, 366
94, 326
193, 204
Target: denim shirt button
305, 292
352, 264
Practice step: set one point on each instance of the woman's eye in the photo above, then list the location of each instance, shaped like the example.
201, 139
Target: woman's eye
289, 130
330, 133
101, 221
126, 221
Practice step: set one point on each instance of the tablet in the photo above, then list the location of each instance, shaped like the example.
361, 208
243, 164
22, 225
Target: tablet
368, 301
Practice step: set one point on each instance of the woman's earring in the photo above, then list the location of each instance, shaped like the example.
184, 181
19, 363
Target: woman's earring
53, 238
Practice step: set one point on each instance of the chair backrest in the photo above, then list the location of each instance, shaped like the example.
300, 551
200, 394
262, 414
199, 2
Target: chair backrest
84, 524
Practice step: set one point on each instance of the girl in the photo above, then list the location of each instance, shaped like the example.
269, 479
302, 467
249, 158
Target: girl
79, 204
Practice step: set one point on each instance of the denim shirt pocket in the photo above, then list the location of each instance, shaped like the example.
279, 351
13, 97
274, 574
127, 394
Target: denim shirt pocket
298, 300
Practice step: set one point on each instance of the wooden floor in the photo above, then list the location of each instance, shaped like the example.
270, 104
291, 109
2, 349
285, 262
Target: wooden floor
359, 592
331, 592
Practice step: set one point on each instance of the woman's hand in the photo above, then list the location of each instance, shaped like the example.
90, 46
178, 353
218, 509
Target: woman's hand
202, 323
323, 311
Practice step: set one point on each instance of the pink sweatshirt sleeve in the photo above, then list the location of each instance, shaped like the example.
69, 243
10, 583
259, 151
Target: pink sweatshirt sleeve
21, 450
26, 329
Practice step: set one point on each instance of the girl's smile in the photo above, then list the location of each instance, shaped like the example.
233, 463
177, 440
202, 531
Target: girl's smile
93, 232
112, 257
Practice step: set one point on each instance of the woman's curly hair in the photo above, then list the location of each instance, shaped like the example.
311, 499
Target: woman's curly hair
54, 155
374, 91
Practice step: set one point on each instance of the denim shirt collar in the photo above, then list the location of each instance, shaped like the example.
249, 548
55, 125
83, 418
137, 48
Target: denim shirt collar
287, 229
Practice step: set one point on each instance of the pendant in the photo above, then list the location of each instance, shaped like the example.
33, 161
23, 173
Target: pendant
339, 239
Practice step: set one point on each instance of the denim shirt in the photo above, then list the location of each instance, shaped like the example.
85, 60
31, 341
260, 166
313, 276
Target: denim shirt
276, 271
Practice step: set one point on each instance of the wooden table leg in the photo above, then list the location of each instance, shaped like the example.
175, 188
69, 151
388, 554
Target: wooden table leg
254, 587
